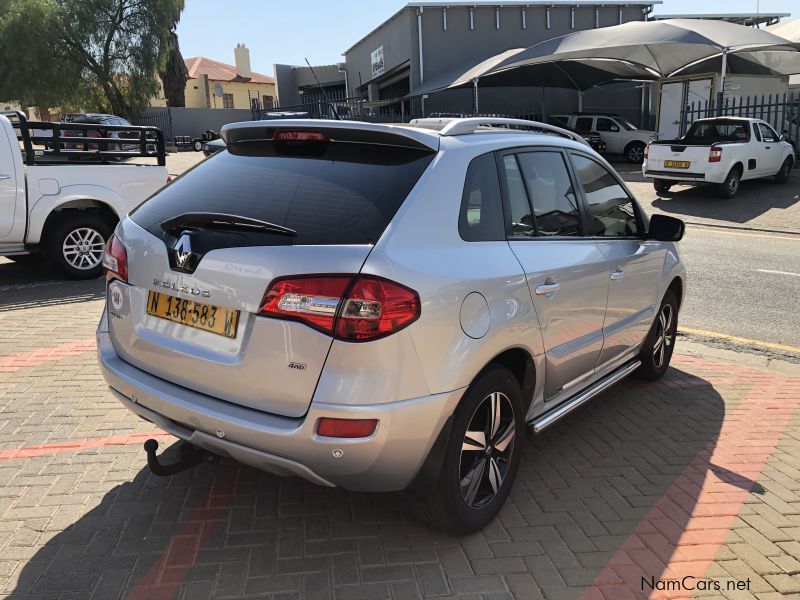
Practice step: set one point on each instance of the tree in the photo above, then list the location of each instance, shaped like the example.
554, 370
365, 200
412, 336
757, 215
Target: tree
174, 74
99, 54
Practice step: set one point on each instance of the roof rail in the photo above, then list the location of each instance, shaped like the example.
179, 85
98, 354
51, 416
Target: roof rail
470, 125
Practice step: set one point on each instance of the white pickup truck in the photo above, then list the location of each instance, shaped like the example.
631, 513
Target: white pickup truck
723, 151
61, 196
620, 135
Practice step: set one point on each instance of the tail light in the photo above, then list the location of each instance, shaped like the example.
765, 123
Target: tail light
354, 308
715, 154
346, 428
646, 150
115, 260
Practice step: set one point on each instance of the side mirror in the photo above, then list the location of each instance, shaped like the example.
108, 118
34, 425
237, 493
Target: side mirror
783, 138
665, 229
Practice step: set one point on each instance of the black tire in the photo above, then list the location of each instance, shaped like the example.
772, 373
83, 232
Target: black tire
661, 186
659, 345
197, 145
729, 187
72, 226
460, 511
783, 175
634, 152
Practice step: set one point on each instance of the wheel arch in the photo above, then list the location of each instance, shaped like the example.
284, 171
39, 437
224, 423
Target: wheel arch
676, 287
70, 207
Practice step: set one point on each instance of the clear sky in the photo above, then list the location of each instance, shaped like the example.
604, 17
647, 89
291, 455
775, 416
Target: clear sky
283, 32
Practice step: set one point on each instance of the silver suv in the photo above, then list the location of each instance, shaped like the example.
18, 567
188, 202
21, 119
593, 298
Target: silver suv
385, 307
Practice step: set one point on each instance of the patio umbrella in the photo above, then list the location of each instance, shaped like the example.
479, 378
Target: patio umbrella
665, 48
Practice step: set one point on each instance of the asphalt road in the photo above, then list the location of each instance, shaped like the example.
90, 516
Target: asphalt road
742, 283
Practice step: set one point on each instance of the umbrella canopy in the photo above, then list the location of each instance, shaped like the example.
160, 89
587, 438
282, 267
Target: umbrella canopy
664, 48
789, 30
572, 74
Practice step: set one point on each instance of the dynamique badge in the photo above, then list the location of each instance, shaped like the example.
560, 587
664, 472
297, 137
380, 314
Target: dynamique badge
183, 250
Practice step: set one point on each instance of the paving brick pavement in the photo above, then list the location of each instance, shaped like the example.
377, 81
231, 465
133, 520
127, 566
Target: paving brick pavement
698, 474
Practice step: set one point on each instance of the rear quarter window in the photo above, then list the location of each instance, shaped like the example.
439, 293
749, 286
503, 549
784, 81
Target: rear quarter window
347, 194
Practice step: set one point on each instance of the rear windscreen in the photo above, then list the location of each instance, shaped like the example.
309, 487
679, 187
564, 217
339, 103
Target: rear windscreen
347, 193
709, 132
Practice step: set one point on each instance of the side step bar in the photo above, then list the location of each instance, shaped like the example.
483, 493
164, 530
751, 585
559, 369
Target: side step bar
547, 419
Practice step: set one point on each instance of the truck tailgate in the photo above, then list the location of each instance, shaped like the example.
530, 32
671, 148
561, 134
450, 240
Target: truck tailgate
680, 159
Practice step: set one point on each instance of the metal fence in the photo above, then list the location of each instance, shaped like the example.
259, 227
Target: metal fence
782, 111
355, 108
158, 117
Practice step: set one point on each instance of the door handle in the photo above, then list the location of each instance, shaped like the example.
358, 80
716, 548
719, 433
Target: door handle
547, 288
615, 275
4, 176
767, 147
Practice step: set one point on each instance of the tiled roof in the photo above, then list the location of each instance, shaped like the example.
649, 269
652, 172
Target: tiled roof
217, 71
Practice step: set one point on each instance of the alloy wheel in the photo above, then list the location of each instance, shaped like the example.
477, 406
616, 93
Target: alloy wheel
486, 450
664, 336
83, 248
636, 154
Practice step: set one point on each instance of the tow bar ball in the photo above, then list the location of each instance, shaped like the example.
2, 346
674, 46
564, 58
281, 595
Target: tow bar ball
189, 457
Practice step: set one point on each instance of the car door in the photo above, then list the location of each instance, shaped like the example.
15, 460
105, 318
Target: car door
634, 264
770, 152
8, 183
566, 271
611, 133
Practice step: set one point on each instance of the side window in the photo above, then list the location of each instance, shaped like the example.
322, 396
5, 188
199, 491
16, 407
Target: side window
547, 181
612, 212
604, 124
756, 131
767, 134
481, 215
583, 124
521, 213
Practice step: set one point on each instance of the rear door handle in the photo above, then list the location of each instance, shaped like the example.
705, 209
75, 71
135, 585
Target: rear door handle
547, 288
767, 147
615, 275
4, 177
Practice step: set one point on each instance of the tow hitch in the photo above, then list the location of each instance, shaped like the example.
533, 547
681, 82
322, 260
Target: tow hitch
189, 457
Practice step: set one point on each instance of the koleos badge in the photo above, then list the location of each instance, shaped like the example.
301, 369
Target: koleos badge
183, 250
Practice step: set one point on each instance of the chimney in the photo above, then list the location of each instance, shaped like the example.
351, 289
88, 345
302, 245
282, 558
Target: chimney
242, 55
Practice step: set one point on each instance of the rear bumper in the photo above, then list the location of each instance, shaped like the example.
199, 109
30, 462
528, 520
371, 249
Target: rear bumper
386, 461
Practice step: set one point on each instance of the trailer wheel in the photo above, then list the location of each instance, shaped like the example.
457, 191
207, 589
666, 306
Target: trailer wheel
197, 145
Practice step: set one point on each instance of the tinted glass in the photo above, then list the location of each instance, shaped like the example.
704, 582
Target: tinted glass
521, 214
583, 124
718, 130
481, 216
346, 194
555, 209
604, 124
767, 133
756, 132
611, 210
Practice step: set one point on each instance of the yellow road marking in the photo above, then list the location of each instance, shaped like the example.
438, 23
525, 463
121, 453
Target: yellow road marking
740, 340
774, 236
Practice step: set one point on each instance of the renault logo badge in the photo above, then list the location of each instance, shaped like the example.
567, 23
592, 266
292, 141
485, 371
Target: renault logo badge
183, 250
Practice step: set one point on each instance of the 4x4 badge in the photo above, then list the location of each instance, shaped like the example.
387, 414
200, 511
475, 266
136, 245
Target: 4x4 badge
183, 250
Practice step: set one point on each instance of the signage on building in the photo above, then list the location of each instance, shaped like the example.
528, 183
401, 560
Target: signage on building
378, 66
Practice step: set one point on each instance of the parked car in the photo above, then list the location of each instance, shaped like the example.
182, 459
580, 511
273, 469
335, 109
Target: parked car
384, 307
99, 119
213, 146
67, 212
723, 151
620, 135
592, 137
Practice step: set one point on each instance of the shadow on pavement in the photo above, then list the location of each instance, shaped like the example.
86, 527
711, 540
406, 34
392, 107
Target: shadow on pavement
753, 200
33, 284
226, 530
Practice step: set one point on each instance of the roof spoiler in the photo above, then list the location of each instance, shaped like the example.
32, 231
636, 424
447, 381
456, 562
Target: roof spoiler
340, 131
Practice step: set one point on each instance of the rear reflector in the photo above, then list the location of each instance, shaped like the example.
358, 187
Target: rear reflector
354, 308
346, 428
115, 260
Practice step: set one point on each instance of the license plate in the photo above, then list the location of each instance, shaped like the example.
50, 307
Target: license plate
676, 164
215, 319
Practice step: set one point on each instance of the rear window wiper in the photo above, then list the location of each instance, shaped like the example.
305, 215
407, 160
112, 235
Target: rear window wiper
209, 219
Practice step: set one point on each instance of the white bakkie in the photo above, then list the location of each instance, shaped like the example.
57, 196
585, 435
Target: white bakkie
723, 151
67, 209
